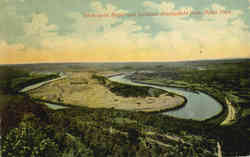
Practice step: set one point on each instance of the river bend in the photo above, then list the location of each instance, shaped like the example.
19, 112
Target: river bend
199, 106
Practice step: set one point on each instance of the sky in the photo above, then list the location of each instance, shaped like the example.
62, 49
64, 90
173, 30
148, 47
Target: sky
47, 31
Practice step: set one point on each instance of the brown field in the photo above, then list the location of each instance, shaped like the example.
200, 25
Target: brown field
80, 89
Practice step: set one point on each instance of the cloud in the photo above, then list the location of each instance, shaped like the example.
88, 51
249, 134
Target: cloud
91, 32
39, 29
218, 35
164, 6
97, 39
160, 38
98, 7
39, 26
5, 47
88, 27
147, 27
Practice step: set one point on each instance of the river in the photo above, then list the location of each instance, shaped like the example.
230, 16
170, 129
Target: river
39, 84
199, 106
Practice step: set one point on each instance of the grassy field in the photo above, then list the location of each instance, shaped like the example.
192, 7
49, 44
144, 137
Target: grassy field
88, 89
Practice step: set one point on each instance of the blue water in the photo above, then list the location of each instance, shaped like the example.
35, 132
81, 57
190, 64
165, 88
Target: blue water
199, 106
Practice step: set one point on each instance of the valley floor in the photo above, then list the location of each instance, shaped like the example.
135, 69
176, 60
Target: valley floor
81, 89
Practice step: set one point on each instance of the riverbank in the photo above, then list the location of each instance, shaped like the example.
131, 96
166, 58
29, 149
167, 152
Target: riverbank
83, 90
217, 119
39, 84
231, 116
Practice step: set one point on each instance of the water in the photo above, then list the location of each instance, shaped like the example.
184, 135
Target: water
199, 106
55, 106
37, 85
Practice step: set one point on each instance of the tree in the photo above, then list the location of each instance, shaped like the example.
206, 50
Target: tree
26, 141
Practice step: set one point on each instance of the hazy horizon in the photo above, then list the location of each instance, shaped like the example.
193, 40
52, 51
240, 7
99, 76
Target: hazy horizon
182, 61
